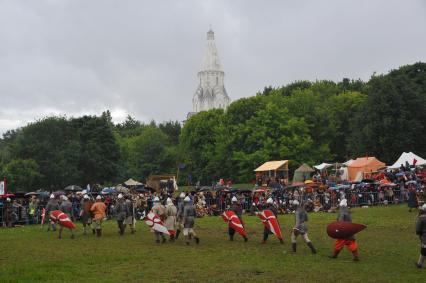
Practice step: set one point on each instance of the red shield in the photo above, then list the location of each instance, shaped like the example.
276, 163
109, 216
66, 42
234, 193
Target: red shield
343, 230
154, 221
270, 221
234, 222
61, 218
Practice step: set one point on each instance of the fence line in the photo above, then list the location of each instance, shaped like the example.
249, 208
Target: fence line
313, 201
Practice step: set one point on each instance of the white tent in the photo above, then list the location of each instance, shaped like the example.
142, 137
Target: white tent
323, 166
347, 163
408, 157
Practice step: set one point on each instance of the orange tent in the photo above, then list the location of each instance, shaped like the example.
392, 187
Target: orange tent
363, 165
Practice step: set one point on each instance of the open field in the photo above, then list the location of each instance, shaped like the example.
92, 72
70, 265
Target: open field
388, 249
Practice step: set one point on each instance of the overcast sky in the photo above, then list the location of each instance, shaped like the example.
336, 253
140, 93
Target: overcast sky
142, 57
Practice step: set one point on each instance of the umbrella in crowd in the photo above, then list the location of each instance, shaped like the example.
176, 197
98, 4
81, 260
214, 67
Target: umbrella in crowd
73, 188
108, 190
122, 189
32, 194
58, 193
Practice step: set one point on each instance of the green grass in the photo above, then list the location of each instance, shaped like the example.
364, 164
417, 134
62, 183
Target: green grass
388, 249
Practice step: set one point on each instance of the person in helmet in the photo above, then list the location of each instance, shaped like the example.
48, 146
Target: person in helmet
345, 215
300, 227
270, 205
236, 207
65, 207
170, 222
179, 217
120, 214
130, 213
51, 205
189, 215
98, 210
159, 210
421, 232
85, 213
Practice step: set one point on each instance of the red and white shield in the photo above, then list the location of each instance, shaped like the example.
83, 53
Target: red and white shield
234, 222
61, 218
154, 221
270, 221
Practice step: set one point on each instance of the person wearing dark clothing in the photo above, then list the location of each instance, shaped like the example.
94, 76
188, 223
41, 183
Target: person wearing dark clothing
421, 232
300, 228
412, 199
189, 215
120, 213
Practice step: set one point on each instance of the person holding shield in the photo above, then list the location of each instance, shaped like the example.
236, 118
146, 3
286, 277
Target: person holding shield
345, 215
236, 208
159, 210
51, 205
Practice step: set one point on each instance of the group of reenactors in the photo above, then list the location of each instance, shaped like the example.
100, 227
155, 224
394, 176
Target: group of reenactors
180, 218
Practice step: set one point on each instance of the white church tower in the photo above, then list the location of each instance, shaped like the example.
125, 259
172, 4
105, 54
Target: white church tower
211, 91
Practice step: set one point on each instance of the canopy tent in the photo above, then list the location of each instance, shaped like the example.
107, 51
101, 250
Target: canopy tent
273, 166
363, 165
408, 157
277, 169
349, 162
323, 166
132, 182
302, 173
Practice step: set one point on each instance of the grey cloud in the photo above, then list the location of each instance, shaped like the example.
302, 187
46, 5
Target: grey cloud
142, 57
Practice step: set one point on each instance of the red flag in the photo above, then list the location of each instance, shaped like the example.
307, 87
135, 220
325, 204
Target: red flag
234, 222
414, 162
270, 221
62, 219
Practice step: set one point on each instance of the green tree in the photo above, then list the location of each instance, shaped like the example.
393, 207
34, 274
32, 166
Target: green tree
22, 174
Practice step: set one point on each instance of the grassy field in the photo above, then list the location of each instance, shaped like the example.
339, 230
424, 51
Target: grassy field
388, 249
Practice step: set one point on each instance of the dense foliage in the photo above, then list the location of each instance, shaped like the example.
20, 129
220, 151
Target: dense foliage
304, 121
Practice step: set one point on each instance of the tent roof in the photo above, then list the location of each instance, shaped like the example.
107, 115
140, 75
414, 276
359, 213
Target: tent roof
408, 157
271, 165
364, 161
323, 166
349, 162
304, 168
132, 182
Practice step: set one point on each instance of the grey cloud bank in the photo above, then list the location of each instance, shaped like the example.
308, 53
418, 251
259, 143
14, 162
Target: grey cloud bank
141, 57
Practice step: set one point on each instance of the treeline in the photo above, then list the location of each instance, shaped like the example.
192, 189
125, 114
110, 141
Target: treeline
304, 121
56, 151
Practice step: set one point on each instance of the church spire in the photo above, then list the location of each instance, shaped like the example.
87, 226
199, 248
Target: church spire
211, 91
211, 58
